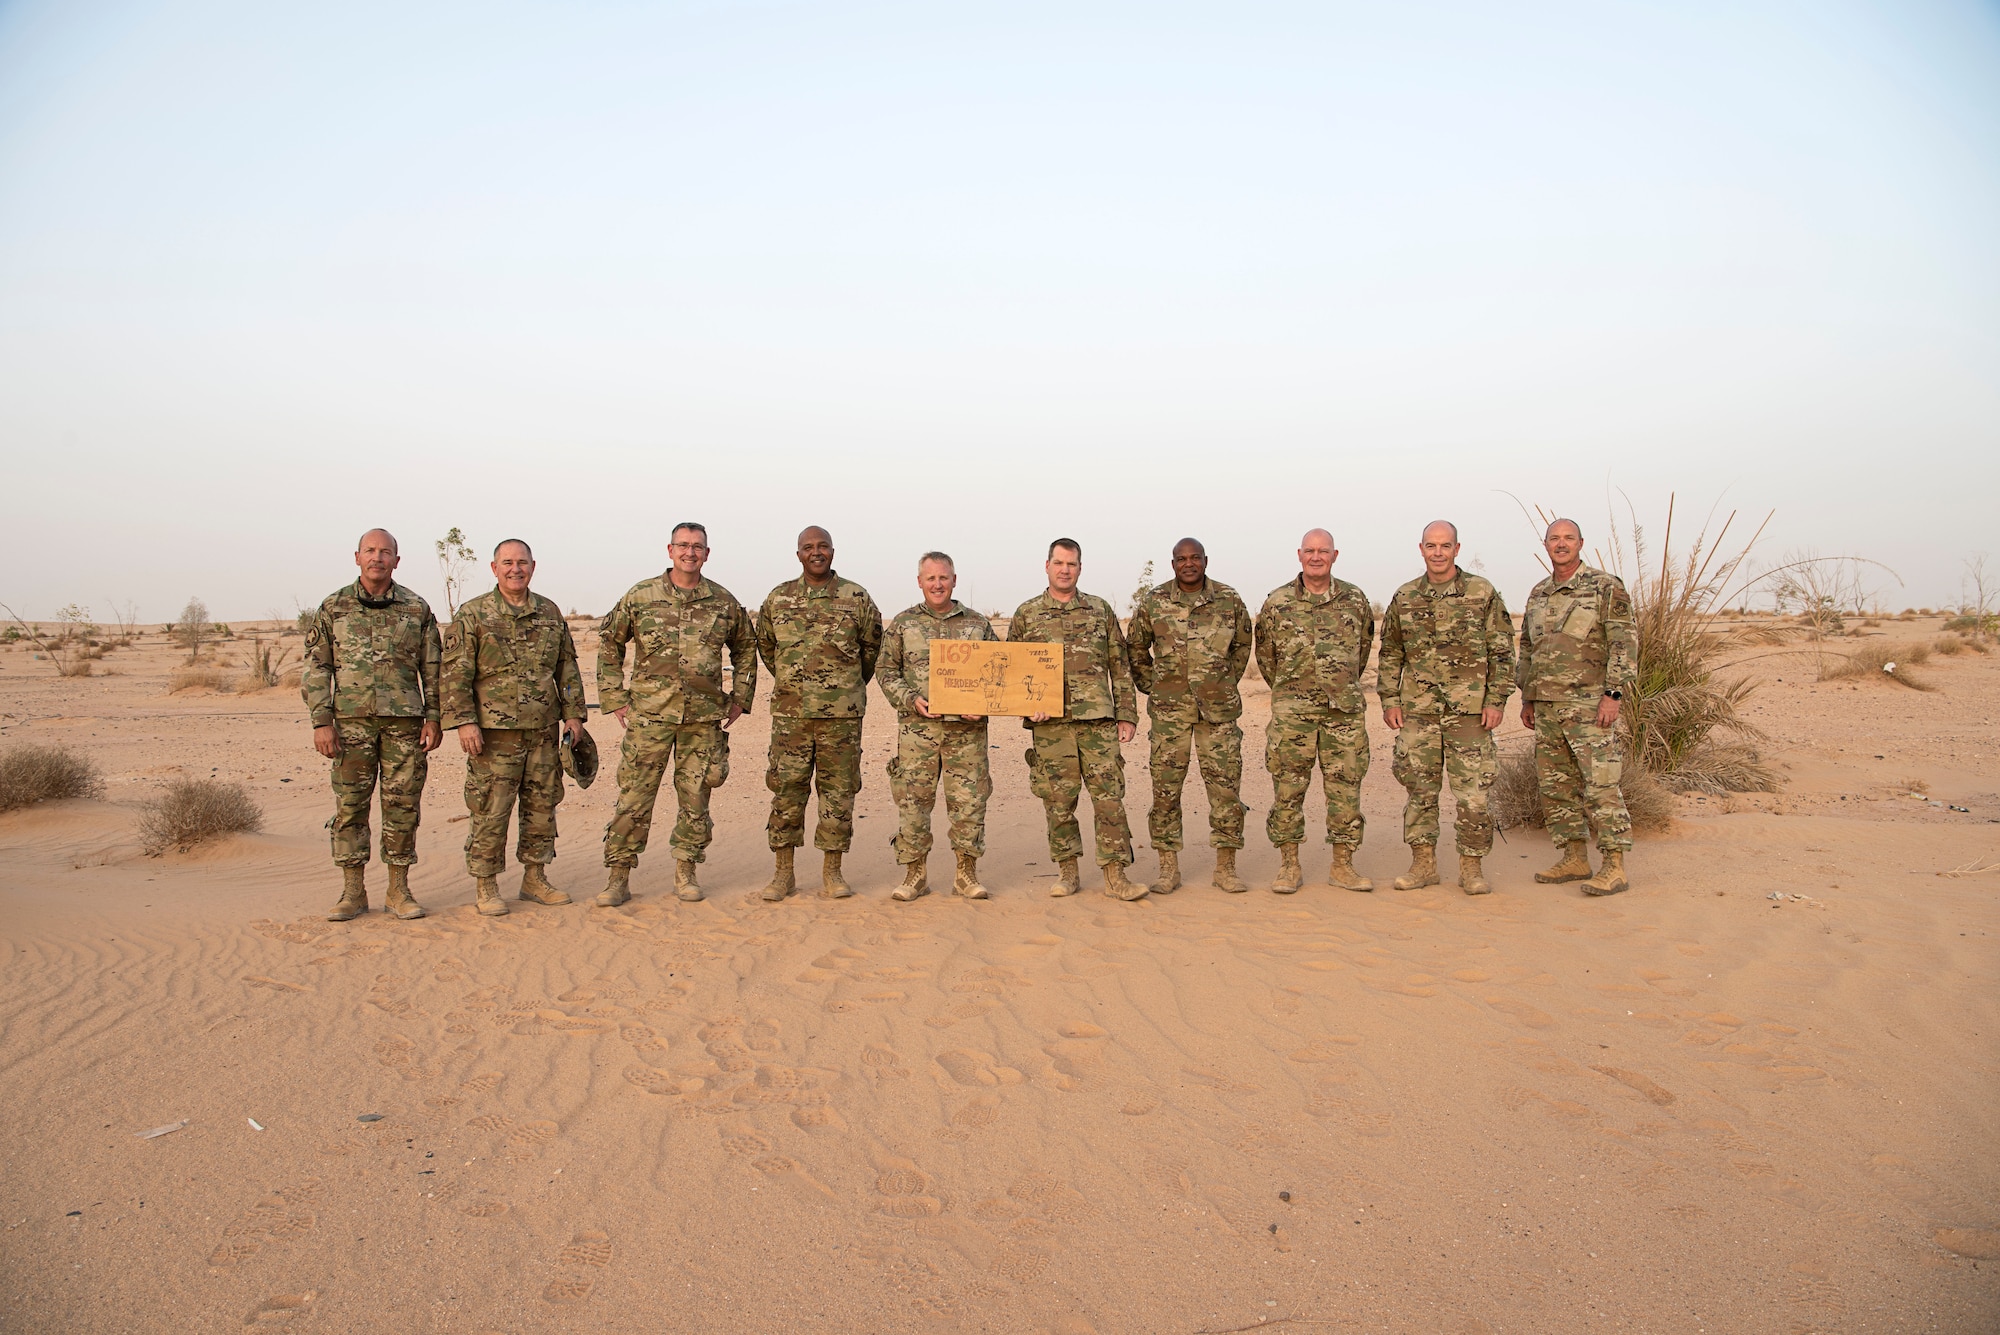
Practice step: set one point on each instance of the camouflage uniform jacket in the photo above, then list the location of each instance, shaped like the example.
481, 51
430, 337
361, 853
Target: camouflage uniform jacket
1446, 648
511, 668
820, 644
681, 636
1097, 673
1313, 647
366, 658
1577, 638
905, 667
1190, 649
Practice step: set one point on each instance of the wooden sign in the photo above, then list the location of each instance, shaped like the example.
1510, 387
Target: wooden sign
996, 677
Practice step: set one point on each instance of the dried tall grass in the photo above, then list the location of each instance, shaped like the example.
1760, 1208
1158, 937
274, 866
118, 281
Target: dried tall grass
187, 678
1881, 660
30, 774
193, 811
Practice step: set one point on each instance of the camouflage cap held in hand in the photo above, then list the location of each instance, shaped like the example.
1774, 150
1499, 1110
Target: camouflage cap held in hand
580, 761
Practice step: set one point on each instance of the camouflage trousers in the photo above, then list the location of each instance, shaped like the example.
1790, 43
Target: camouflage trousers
933, 753
388, 750
1220, 747
515, 768
1068, 758
1431, 748
700, 756
1579, 765
1338, 743
806, 752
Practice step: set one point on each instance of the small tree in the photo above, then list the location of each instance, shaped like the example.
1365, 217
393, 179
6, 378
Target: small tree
1145, 586
76, 624
66, 665
126, 616
1977, 595
194, 628
455, 557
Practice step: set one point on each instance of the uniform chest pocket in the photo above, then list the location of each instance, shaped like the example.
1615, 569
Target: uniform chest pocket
1219, 640
841, 632
654, 638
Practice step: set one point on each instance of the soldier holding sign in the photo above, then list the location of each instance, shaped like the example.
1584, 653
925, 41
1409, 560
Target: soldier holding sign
1076, 746
931, 746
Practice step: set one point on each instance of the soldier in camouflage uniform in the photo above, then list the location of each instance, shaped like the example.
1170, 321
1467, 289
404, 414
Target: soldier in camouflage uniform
1190, 645
1313, 638
1446, 671
1578, 648
930, 747
680, 624
819, 635
1079, 750
370, 682
510, 677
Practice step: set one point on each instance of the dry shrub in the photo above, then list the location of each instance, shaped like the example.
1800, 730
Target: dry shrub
194, 811
1878, 659
30, 774
1948, 645
1516, 795
186, 678
266, 664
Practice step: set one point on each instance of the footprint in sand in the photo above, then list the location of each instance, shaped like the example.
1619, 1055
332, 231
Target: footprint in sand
787, 1169
1074, 1062
976, 1068
588, 1250
1052, 1198
280, 1308
1216, 1080
883, 1063
652, 1080
1020, 1264
742, 1142
483, 1206
273, 984
1818, 1299
280, 1215
818, 1117
907, 1191
1522, 1012
483, 1084
1139, 1105
534, 1133
489, 1122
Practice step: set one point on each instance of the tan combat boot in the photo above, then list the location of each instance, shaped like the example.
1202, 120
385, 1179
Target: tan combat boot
1610, 878
1471, 879
400, 901
1290, 878
1169, 879
966, 881
832, 885
1225, 877
535, 887
1066, 883
617, 888
488, 890
1342, 875
1423, 868
782, 883
353, 895
1118, 887
686, 888
916, 883
1573, 866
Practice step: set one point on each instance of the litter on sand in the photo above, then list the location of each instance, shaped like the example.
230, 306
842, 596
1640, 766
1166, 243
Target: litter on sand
255, 1125
157, 1131
369, 1117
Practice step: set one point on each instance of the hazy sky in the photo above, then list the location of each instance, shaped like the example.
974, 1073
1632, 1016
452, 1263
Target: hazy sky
974, 276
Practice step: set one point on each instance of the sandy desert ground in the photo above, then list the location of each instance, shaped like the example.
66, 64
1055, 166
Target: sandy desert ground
1758, 1093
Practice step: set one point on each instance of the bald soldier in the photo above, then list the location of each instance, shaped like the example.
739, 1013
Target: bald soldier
1446, 671
510, 682
1578, 648
370, 681
819, 635
1313, 638
1078, 749
1190, 643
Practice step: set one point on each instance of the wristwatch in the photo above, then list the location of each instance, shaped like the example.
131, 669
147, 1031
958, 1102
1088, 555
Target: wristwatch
1614, 695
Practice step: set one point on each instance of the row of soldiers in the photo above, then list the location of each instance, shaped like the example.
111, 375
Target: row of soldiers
382, 683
